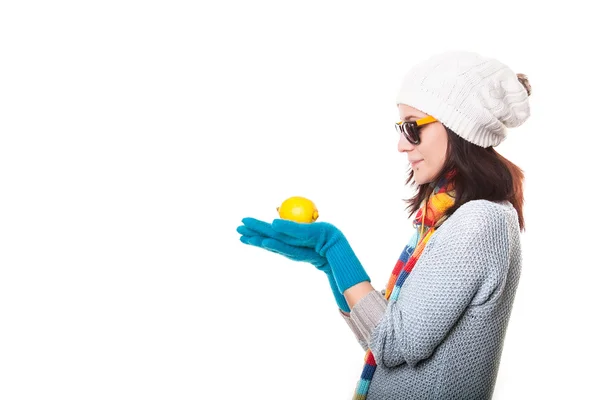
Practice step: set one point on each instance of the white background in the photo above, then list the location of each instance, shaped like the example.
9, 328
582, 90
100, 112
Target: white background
134, 137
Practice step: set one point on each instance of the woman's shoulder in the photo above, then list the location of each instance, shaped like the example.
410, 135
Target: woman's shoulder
485, 207
484, 213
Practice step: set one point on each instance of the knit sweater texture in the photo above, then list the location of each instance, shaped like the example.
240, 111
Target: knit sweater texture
443, 337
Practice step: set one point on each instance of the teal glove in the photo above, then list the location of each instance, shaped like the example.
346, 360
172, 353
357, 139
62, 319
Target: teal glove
262, 235
327, 241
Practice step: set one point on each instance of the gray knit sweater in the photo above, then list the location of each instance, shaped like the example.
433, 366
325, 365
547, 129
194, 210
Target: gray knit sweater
443, 337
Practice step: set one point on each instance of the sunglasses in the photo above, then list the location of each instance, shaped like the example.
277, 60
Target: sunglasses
410, 129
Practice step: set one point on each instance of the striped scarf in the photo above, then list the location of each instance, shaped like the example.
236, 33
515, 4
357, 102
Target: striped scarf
430, 216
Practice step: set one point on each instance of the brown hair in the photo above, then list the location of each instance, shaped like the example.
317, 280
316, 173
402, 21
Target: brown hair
482, 173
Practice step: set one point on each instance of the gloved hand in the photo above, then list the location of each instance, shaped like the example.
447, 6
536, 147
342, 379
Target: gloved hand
327, 241
262, 235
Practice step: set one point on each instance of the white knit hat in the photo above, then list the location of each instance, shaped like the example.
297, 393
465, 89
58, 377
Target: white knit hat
475, 96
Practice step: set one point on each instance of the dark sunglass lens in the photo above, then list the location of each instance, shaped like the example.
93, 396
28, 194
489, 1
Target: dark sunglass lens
412, 132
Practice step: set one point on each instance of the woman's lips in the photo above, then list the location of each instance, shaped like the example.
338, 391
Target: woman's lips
412, 164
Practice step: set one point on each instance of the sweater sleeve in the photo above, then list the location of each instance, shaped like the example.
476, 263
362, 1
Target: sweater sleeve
357, 333
361, 320
461, 266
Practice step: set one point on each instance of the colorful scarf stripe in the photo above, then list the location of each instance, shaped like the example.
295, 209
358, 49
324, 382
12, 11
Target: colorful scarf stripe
430, 216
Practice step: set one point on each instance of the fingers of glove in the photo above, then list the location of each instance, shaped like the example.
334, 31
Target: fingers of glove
259, 241
303, 231
292, 252
252, 240
244, 230
261, 227
254, 227
296, 253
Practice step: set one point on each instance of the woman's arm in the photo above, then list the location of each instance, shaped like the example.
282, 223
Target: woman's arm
355, 293
368, 311
363, 335
360, 338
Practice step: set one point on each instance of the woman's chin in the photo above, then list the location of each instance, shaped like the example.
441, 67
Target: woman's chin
420, 179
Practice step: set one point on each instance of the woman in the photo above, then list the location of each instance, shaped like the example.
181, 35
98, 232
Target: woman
437, 330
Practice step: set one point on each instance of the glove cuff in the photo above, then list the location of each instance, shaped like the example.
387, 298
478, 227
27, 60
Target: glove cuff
347, 269
339, 297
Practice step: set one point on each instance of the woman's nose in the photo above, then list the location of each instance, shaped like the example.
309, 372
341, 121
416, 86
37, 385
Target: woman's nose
404, 145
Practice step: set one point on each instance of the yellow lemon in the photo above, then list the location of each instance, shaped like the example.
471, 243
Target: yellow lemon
299, 209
